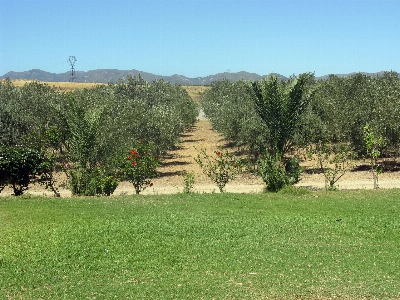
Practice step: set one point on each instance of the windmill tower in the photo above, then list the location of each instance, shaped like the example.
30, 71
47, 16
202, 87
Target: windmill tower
72, 61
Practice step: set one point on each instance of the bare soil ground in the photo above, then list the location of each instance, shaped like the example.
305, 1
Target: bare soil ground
201, 136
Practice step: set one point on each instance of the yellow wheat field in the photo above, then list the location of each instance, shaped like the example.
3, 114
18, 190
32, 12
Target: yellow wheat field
194, 91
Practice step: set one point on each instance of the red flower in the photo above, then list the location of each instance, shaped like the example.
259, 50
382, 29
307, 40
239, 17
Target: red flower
66, 165
151, 184
134, 153
134, 163
218, 153
129, 157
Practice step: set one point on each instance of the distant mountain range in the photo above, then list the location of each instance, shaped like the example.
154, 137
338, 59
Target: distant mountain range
113, 75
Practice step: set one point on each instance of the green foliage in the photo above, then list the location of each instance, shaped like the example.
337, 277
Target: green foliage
159, 112
272, 173
221, 168
53, 138
82, 182
231, 110
108, 184
139, 166
345, 104
47, 170
294, 191
333, 110
278, 173
188, 181
17, 166
333, 160
235, 110
373, 144
89, 154
90, 127
28, 123
11, 125
25, 113
91, 182
280, 106
83, 128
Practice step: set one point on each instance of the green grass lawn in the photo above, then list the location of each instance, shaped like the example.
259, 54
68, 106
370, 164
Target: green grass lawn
315, 245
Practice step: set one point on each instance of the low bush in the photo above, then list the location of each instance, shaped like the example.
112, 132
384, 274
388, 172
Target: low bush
18, 165
139, 166
220, 168
188, 181
333, 160
278, 173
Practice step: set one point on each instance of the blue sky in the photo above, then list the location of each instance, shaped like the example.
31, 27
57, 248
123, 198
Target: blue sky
197, 38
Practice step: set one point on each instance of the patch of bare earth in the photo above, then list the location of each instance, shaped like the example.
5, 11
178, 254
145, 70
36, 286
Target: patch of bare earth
201, 136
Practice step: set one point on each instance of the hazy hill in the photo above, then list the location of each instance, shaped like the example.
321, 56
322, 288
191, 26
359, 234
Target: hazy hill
113, 75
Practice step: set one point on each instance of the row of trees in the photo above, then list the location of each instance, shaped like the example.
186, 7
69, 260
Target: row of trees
107, 133
87, 131
343, 106
337, 110
269, 118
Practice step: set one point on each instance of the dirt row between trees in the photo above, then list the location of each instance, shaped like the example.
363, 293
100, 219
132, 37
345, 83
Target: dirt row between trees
202, 135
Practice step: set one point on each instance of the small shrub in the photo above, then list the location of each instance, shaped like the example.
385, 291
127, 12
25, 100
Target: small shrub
91, 182
220, 169
334, 160
139, 166
278, 173
108, 184
17, 167
188, 180
79, 179
372, 144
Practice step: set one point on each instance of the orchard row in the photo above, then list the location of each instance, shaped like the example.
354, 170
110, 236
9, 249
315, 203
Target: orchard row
117, 132
332, 121
337, 110
88, 130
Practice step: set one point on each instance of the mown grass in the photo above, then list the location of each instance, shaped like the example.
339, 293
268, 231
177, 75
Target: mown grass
202, 246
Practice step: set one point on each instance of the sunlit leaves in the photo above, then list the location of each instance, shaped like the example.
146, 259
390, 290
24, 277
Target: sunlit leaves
280, 106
